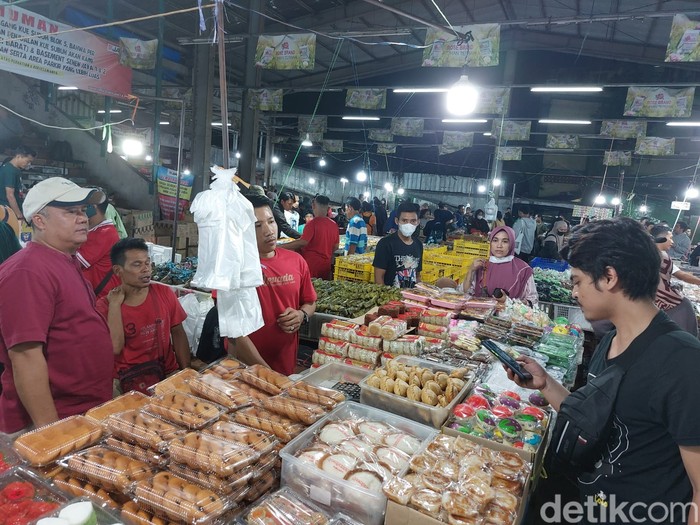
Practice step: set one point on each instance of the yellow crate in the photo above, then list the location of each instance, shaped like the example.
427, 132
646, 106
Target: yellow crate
356, 275
354, 263
434, 249
471, 248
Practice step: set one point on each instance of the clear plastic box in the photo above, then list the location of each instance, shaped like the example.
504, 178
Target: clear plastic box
265, 379
253, 392
180, 500
284, 507
295, 409
335, 375
284, 428
176, 381
83, 489
210, 454
415, 410
134, 426
268, 481
213, 482
332, 493
146, 455
107, 468
19, 485
213, 388
129, 401
104, 516
260, 441
8, 456
225, 368
51, 442
183, 409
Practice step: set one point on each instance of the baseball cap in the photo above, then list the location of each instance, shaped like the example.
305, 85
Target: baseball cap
57, 191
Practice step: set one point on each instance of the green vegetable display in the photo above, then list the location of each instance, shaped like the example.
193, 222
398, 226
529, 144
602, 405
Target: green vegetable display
553, 286
351, 299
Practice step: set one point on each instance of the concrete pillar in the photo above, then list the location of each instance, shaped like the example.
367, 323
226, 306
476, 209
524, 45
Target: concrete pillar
511, 59
249, 117
157, 110
202, 100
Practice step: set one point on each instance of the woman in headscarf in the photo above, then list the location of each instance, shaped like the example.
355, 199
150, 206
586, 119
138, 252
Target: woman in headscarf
478, 224
502, 271
554, 241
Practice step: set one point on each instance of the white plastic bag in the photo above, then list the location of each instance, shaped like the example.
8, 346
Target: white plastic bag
196, 311
239, 312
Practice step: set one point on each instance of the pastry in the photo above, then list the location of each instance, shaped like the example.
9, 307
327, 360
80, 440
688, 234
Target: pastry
137, 452
128, 401
213, 482
365, 479
183, 409
141, 429
374, 431
358, 448
265, 379
403, 442
337, 465
427, 501
260, 441
334, 433
295, 409
215, 389
399, 490
208, 453
176, 381
109, 469
46, 444
459, 505
284, 428
321, 396
394, 460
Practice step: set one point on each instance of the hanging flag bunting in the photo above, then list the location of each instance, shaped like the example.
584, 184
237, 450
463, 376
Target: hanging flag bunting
684, 41
493, 100
317, 124
453, 141
407, 127
511, 129
617, 158
623, 129
659, 102
266, 99
381, 135
333, 146
479, 47
366, 98
655, 146
138, 54
560, 141
296, 51
509, 153
386, 149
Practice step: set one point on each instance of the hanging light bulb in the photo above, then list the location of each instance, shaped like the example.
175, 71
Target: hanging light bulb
388, 186
400, 191
361, 176
692, 193
643, 208
275, 159
615, 201
462, 97
600, 199
322, 162
481, 188
497, 183
307, 142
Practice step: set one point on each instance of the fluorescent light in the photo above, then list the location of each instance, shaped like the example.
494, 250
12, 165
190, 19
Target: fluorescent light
312, 180
462, 97
464, 120
497, 183
359, 117
307, 142
481, 188
132, 147
361, 176
566, 89
558, 121
186, 172
322, 162
67, 88
689, 123
238, 154
344, 181
388, 186
400, 191
148, 158
600, 199
164, 123
220, 124
692, 193
420, 90
615, 201
487, 134
113, 111
275, 159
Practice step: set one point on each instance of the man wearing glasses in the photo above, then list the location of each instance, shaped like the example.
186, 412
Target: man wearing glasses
398, 259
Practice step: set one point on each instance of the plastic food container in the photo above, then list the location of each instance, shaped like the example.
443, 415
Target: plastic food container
211, 454
183, 409
129, 401
213, 388
284, 507
265, 379
213, 482
338, 377
107, 468
136, 452
434, 416
176, 381
179, 499
265, 483
295, 409
84, 489
332, 493
102, 516
142, 429
225, 368
306, 391
51, 442
282, 427
8, 456
260, 441
33, 496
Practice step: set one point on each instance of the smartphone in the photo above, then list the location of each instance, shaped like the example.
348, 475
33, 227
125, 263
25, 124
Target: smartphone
506, 359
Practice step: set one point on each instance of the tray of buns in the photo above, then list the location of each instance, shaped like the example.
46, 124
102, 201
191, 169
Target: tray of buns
261, 442
211, 454
225, 368
213, 388
135, 514
307, 391
183, 409
295, 409
129, 401
268, 481
284, 507
139, 428
177, 381
253, 392
212, 481
51, 442
265, 379
107, 468
84, 489
157, 459
256, 417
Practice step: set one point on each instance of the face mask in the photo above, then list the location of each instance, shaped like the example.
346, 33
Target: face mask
561, 233
407, 229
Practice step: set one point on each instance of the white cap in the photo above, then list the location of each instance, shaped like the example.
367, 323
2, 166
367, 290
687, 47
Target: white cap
57, 191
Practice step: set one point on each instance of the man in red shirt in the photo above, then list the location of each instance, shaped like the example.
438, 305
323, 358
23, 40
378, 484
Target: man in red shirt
94, 253
54, 345
287, 299
318, 240
142, 315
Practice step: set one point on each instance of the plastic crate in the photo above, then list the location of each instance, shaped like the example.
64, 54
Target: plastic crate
476, 248
434, 249
353, 263
573, 313
355, 274
549, 264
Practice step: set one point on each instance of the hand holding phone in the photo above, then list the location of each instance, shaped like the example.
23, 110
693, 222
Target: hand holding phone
507, 360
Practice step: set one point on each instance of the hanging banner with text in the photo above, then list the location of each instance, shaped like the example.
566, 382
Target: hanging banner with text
684, 41
509, 153
138, 54
286, 51
381, 135
28, 47
617, 158
407, 127
365, 98
386, 149
623, 129
493, 100
266, 99
560, 141
659, 102
453, 141
479, 47
166, 182
655, 146
592, 211
319, 124
333, 146
511, 129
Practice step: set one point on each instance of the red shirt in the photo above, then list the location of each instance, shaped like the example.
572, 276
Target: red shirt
322, 234
46, 299
147, 329
287, 284
94, 256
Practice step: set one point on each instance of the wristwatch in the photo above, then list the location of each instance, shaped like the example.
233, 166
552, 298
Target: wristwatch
306, 316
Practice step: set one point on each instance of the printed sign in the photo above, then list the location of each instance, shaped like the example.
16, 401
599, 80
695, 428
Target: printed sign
266, 99
317, 124
366, 98
381, 135
509, 153
511, 129
684, 41
617, 158
659, 102
166, 180
384, 148
407, 127
479, 47
333, 146
286, 51
560, 141
453, 141
493, 100
138, 54
655, 146
680, 205
623, 129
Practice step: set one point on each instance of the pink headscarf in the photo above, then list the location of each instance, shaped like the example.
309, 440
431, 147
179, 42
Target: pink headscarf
511, 276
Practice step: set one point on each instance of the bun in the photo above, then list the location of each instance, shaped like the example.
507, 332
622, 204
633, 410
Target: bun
142, 429
183, 409
284, 428
128, 401
46, 444
294, 409
265, 379
108, 469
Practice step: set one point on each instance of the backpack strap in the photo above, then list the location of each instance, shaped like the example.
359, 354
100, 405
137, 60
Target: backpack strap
104, 282
641, 345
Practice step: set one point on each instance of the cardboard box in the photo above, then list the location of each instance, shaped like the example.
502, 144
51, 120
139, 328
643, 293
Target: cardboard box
137, 219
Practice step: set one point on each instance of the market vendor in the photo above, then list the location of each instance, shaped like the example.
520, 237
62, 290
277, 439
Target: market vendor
669, 298
287, 298
398, 259
502, 275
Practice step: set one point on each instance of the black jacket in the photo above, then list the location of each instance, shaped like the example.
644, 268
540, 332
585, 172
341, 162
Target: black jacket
282, 224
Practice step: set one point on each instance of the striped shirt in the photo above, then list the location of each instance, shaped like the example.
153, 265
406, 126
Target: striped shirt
356, 233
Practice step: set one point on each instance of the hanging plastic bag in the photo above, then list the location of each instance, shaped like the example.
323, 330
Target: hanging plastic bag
239, 312
196, 311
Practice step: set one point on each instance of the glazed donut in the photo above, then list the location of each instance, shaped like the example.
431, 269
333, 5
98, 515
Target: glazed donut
294, 409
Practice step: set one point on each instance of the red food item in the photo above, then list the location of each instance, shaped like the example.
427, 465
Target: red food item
18, 491
512, 394
39, 508
464, 411
4, 466
15, 513
477, 401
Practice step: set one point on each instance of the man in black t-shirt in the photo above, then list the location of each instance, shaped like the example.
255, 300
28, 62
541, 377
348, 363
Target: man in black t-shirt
11, 179
398, 259
650, 470
444, 217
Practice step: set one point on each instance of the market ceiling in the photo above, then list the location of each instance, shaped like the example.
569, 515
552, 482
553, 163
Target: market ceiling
368, 43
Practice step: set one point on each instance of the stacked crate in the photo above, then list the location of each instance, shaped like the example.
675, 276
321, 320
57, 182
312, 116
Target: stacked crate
357, 268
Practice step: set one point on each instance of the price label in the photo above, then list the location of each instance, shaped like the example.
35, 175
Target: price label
680, 205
